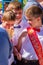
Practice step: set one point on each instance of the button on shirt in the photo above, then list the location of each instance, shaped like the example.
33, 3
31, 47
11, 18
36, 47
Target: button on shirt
27, 51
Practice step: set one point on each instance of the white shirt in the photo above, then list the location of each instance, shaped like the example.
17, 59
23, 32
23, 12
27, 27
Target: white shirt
27, 49
18, 31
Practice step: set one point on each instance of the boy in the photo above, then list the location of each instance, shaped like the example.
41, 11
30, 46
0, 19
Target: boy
28, 4
17, 8
8, 20
27, 52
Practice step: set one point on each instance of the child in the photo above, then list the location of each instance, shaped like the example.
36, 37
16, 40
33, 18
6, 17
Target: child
17, 8
27, 52
8, 16
8, 20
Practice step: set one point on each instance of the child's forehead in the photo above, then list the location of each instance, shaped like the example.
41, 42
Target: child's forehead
14, 10
10, 22
30, 17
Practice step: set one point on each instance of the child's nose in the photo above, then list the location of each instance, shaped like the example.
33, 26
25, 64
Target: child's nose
18, 16
29, 21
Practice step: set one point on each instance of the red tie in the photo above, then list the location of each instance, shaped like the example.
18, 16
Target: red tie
38, 30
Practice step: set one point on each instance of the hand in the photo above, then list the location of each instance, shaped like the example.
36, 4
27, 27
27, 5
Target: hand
19, 57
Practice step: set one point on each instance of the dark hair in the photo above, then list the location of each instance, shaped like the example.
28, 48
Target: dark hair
34, 11
14, 5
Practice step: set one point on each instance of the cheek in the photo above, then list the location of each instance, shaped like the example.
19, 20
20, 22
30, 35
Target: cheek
19, 16
36, 24
30, 22
39, 24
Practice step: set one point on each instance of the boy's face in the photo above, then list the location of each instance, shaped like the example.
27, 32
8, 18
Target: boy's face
9, 24
18, 14
9, 27
34, 22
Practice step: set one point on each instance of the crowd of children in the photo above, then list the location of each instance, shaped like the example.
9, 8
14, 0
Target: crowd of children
16, 31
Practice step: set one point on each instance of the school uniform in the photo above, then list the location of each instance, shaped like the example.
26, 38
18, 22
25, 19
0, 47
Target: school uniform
27, 51
18, 31
29, 56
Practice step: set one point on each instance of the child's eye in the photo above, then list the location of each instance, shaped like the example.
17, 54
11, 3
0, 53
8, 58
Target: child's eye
15, 13
20, 13
30, 19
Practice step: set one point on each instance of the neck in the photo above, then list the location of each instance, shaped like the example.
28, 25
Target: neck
36, 27
17, 21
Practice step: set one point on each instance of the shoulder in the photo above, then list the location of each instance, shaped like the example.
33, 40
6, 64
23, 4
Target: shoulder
3, 32
25, 30
41, 28
24, 33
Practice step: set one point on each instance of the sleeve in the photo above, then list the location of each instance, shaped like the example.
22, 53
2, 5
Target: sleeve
16, 37
4, 48
10, 45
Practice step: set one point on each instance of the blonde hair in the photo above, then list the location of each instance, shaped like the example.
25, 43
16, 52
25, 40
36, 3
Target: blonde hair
8, 16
